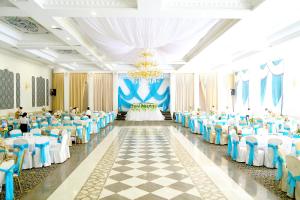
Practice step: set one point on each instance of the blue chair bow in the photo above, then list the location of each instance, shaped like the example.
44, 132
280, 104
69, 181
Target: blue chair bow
204, 132
235, 151
292, 182
201, 126
9, 182
229, 146
274, 147
270, 126
192, 125
79, 132
183, 120
280, 163
43, 156
218, 135
251, 154
20, 153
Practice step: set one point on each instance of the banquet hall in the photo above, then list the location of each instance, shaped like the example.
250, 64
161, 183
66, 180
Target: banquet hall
149, 100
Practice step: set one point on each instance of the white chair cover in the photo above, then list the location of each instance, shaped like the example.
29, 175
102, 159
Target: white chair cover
59, 152
258, 159
27, 162
271, 158
293, 168
241, 150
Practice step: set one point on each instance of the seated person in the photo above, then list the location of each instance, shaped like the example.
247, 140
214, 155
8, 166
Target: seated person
18, 113
24, 123
88, 112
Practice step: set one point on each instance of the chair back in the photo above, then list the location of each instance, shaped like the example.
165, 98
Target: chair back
54, 132
36, 131
293, 163
234, 137
20, 154
15, 133
276, 141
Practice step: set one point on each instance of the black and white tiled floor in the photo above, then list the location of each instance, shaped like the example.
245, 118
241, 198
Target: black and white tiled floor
149, 165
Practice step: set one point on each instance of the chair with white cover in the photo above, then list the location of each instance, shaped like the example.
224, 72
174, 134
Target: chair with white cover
41, 154
238, 151
281, 174
271, 152
255, 155
293, 180
54, 133
15, 133
221, 135
23, 146
58, 152
36, 132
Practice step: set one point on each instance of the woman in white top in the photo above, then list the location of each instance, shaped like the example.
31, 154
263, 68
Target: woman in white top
24, 123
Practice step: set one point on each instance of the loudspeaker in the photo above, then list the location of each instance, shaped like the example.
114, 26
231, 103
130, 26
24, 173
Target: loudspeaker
232, 92
53, 92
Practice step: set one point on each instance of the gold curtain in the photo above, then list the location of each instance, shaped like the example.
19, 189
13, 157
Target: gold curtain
78, 90
103, 92
58, 84
184, 92
212, 92
202, 92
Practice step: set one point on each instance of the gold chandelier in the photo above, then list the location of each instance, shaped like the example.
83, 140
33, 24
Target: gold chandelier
147, 66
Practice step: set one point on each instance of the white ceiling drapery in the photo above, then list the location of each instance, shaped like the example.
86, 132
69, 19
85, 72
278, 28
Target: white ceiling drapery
121, 39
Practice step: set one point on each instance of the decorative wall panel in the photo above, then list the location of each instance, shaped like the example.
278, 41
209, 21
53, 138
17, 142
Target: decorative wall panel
18, 93
47, 92
40, 90
33, 91
6, 89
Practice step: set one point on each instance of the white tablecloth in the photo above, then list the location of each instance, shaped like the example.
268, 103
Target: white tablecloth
32, 140
148, 115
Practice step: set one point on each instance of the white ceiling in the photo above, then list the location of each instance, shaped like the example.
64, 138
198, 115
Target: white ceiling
106, 35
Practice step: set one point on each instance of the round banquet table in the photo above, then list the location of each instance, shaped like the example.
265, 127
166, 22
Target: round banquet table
262, 141
148, 115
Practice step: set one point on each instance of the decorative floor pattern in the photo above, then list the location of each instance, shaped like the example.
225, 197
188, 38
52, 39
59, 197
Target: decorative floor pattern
148, 168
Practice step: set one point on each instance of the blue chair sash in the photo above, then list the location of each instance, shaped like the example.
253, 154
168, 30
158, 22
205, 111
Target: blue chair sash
280, 163
15, 123
53, 135
292, 181
192, 125
79, 132
270, 126
43, 156
9, 182
16, 135
204, 132
218, 135
21, 148
176, 117
235, 151
229, 146
251, 154
68, 124
201, 126
183, 120
208, 134
274, 147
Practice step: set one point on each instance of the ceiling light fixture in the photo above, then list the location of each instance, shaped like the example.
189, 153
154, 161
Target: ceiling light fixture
68, 38
93, 13
147, 67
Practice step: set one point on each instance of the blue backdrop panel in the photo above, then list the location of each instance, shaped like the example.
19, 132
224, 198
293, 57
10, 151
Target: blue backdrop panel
124, 100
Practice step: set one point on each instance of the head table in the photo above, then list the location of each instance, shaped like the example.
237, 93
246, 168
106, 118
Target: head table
144, 112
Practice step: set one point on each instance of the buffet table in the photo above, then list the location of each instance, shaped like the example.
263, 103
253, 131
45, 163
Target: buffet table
144, 112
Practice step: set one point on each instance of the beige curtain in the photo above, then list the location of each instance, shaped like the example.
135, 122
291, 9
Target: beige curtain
103, 92
208, 91
184, 92
58, 84
78, 90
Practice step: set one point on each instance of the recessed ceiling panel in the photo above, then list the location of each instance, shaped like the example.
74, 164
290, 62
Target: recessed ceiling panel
25, 25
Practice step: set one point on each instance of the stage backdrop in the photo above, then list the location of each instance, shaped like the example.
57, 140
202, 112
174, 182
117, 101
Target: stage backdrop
131, 91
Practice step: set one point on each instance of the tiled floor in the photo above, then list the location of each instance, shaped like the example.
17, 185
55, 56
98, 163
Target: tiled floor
148, 167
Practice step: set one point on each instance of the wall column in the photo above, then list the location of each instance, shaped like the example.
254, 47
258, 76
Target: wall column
115, 91
66, 91
196, 91
172, 92
90, 82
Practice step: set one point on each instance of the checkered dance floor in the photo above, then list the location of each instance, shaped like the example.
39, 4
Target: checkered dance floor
148, 164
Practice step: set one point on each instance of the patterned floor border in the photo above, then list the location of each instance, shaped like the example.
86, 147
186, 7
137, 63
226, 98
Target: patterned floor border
95, 183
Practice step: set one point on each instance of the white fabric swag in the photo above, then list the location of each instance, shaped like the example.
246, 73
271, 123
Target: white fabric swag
121, 39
